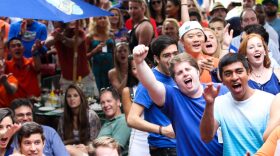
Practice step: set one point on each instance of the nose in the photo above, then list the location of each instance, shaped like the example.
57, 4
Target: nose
234, 77
32, 147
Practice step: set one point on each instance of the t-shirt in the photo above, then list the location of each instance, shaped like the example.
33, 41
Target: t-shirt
153, 114
243, 122
185, 114
116, 128
35, 31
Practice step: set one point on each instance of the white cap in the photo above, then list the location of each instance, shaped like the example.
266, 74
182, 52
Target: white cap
189, 25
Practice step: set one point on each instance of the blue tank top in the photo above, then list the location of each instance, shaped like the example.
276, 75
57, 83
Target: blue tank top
271, 86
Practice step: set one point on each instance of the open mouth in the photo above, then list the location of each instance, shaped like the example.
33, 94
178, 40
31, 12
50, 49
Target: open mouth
188, 82
196, 45
236, 86
257, 55
3, 140
209, 45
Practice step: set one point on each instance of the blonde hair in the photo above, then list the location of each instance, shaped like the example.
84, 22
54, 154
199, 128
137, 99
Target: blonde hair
172, 21
105, 141
218, 50
92, 29
120, 20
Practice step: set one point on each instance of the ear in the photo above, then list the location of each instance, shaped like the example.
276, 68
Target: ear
156, 59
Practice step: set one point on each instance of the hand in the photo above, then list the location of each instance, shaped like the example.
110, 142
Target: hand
98, 48
210, 93
37, 45
168, 131
57, 34
227, 37
23, 27
3, 78
9, 132
139, 53
206, 64
82, 148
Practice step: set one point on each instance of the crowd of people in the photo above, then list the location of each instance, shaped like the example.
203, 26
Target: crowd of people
172, 77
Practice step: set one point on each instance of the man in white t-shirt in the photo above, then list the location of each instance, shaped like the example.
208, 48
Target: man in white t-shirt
246, 116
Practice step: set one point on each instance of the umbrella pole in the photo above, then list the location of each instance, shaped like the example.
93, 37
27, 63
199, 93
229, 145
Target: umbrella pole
75, 59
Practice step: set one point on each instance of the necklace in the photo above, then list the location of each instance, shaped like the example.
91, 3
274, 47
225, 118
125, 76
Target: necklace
258, 75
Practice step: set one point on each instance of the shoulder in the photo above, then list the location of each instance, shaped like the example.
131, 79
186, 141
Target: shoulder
112, 72
277, 72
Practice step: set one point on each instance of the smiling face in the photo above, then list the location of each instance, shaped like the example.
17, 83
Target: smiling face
255, 51
235, 77
32, 145
211, 45
23, 114
187, 79
193, 41
115, 18
73, 98
171, 30
109, 105
4, 125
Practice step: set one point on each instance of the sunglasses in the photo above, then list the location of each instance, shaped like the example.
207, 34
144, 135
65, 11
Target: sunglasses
156, 2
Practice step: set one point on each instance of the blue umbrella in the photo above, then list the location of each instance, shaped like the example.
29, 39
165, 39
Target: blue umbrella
54, 10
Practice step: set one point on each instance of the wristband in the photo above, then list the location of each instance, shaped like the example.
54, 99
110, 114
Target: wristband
160, 130
184, 4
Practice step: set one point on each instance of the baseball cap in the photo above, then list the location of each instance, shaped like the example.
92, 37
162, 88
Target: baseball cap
275, 2
217, 5
189, 25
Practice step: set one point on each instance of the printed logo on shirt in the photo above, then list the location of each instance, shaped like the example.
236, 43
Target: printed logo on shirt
29, 36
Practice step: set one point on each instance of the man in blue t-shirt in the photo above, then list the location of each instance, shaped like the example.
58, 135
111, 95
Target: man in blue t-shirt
28, 30
183, 104
161, 142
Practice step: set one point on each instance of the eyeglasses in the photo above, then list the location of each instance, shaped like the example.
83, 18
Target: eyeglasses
21, 115
156, 2
102, 90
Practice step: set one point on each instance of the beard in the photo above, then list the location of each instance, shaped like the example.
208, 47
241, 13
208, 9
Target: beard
271, 13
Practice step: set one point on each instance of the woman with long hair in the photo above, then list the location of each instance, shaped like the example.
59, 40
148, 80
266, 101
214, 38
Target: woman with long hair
117, 25
212, 46
138, 143
157, 10
262, 76
100, 49
173, 9
79, 124
118, 75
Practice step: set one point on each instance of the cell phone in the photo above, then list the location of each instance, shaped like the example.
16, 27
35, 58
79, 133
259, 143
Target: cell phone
236, 4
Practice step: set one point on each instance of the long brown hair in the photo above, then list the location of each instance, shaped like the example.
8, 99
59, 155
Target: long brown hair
83, 121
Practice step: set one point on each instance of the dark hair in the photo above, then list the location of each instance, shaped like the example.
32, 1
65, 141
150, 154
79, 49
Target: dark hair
195, 12
231, 58
7, 112
12, 39
82, 122
160, 43
218, 19
177, 3
152, 11
131, 80
113, 91
19, 102
257, 29
29, 128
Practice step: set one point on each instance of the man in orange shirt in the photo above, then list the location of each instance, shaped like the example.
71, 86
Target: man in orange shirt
26, 70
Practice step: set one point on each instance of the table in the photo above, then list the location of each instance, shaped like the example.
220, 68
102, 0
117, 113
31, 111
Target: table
49, 118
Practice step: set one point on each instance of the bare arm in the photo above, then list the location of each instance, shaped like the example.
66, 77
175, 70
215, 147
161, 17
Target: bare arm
145, 33
126, 101
274, 117
228, 35
155, 88
114, 81
134, 120
208, 124
184, 11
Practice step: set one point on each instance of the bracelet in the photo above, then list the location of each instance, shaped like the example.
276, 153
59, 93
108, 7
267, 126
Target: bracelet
160, 128
184, 4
